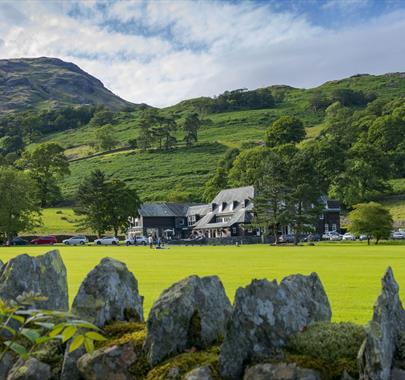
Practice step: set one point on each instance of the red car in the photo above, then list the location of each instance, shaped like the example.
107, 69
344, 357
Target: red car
44, 240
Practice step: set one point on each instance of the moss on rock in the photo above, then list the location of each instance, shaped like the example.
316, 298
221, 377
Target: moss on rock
178, 366
327, 347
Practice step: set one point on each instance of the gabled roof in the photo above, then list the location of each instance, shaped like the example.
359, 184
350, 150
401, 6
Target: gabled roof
163, 209
198, 210
238, 194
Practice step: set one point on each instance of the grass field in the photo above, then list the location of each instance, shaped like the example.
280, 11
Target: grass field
351, 273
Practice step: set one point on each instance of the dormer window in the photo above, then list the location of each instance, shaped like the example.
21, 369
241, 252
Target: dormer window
234, 204
246, 203
222, 206
213, 206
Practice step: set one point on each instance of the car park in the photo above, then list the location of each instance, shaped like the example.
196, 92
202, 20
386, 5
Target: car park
18, 241
107, 240
398, 235
76, 240
44, 240
348, 236
137, 240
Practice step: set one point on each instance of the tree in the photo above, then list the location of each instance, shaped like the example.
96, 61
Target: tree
367, 170
285, 130
105, 205
247, 167
105, 140
215, 184
101, 117
145, 137
179, 194
91, 202
19, 206
162, 132
372, 220
46, 164
270, 207
190, 127
304, 193
122, 203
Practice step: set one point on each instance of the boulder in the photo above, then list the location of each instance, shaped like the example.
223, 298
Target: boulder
266, 314
376, 355
31, 369
108, 363
200, 373
69, 366
109, 293
191, 313
44, 275
6, 364
280, 371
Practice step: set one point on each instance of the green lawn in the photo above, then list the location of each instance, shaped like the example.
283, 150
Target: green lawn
57, 221
351, 273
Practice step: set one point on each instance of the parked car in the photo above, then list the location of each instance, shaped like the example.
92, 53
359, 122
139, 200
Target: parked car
137, 240
107, 240
286, 238
76, 240
45, 240
313, 237
362, 237
332, 235
18, 241
398, 235
348, 236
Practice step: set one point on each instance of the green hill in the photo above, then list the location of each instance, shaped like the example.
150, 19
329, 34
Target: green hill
43, 83
155, 173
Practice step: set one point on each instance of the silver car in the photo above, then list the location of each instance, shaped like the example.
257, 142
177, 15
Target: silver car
76, 240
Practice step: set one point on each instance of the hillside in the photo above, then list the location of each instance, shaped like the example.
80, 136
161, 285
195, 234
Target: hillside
154, 173
43, 83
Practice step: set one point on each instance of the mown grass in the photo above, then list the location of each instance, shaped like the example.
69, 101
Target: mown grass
350, 272
57, 221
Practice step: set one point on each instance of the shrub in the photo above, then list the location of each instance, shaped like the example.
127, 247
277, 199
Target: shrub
328, 347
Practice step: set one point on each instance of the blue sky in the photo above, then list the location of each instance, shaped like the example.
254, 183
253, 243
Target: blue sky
161, 52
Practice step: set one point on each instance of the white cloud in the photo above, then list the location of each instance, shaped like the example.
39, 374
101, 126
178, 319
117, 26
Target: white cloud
163, 52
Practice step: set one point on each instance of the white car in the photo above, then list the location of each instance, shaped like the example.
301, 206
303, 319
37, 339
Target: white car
398, 235
348, 236
140, 240
332, 235
107, 240
76, 240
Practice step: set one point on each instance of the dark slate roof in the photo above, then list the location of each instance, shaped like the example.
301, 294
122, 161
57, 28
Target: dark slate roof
198, 210
163, 209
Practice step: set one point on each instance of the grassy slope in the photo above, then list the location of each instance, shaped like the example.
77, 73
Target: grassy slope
157, 172
351, 273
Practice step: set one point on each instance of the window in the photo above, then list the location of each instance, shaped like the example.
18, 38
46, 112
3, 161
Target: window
326, 227
334, 227
322, 217
181, 222
234, 230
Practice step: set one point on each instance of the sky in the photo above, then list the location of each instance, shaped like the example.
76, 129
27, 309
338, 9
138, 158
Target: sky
162, 52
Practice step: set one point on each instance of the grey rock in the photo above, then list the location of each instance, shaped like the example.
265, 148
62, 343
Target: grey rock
266, 314
1, 265
346, 376
109, 293
44, 275
6, 364
376, 355
70, 371
31, 369
200, 373
108, 363
191, 313
397, 374
280, 371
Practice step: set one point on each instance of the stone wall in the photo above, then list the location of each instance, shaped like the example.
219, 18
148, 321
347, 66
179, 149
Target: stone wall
279, 331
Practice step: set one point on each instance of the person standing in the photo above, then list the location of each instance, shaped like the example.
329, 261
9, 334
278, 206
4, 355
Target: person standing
150, 241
